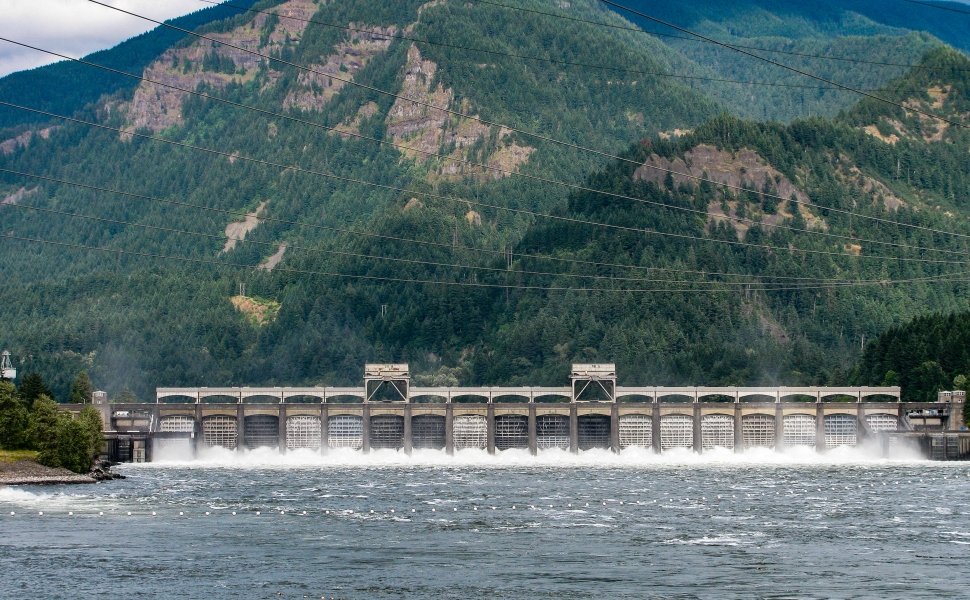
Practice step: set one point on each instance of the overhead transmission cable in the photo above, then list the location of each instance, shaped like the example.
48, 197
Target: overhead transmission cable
770, 61
485, 166
694, 39
395, 238
940, 6
443, 245
392, 36
475, 284
131, 133
537, 136
314, 250
531, 213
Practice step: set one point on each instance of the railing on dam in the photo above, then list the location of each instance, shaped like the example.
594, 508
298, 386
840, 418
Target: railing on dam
391, 383
527, 394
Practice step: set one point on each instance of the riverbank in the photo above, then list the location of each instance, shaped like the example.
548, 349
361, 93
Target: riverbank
28, 472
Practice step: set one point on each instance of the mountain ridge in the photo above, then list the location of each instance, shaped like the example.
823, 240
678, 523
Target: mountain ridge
137, 322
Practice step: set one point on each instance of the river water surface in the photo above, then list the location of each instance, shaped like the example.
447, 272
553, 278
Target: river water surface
596, 525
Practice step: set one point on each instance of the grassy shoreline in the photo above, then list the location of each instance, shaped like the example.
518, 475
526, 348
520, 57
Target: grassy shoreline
10, 456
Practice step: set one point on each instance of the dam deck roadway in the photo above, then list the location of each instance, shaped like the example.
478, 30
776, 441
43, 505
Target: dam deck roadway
592, 412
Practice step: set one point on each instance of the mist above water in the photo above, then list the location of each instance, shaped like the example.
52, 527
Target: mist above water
217, 457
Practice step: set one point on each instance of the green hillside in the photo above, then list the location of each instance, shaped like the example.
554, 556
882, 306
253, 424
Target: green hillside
533, 95
885, 34
326, 274
924, 356
732, 337
65, 87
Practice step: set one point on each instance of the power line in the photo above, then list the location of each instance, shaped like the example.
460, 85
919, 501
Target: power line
692, 39
515, 129
526, 256
531, 213
940, 6
388, 36
749, 221
389, 258
475, 284
781, 65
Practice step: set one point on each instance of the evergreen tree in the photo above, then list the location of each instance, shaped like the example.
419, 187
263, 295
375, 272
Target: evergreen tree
81, 389
42, 431
73, 445
32, 387
13, 418
90, 418
127, 397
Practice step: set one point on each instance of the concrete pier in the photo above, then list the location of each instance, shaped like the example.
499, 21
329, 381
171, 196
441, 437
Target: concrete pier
408, 441
573, 429
533, 448
490, 421
449, 429
698, 436
738, 428
779, 427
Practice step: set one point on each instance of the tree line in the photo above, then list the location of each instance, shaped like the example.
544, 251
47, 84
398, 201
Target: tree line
30, 420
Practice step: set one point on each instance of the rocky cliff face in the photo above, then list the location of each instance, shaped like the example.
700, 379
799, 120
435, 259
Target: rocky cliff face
11, 145
914, 123
425, 130
211, 64
315, 89
744, 168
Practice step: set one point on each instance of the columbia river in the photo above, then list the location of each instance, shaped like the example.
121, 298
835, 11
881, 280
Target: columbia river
596, 525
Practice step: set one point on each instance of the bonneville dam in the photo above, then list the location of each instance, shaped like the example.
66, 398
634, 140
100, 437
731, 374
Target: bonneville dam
386, 412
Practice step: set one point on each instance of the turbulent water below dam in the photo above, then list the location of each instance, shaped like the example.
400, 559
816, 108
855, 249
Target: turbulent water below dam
842, 524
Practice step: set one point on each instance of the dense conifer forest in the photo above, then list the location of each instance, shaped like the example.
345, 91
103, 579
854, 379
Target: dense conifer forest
463, 244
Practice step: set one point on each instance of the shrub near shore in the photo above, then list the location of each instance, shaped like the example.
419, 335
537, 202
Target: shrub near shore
59, 439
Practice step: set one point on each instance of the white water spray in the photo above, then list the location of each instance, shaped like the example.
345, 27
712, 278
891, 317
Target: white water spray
628, 458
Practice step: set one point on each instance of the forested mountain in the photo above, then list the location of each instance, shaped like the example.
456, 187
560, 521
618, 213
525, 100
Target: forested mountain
298, 247
928, 354
67, 86
796, 19
887, 34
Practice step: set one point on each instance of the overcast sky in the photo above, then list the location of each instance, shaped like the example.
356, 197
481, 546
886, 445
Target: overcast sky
75, 27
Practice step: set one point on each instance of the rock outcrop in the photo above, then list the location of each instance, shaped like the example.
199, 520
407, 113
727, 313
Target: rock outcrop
918, 126
9, 146
744, 168
424, 130
212, 64
17, 196
317, 87
236, 231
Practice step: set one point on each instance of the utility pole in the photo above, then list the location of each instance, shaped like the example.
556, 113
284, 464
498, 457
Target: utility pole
508, 267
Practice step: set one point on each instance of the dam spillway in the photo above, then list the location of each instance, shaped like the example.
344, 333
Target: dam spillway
592, 413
